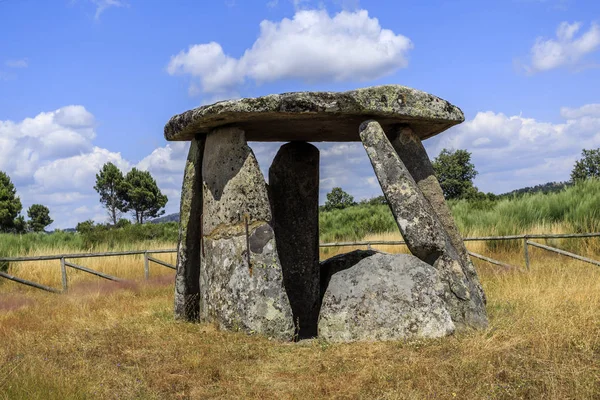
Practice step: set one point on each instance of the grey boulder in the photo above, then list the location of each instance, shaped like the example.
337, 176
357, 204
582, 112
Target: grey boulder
384, 297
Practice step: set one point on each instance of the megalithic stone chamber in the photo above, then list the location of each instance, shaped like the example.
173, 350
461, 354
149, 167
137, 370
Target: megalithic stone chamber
241, 263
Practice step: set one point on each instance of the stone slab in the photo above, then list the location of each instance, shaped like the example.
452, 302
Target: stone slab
240, 275
187, 276
384, 297
424, 234
294, 193
320, 116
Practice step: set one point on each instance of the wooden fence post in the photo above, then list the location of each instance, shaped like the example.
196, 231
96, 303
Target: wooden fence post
146, 266
63, 270
526, 252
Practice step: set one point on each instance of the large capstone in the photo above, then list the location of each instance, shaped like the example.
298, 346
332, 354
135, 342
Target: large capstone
320, 116
241, 277
424, 234
384, 297
187, 276
294, 189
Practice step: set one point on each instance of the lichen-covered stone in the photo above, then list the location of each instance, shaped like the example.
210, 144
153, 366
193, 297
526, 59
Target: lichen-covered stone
339, 263
424, 234
294, 190
384, 297
187, 276
241, 277
411, 151
319, 116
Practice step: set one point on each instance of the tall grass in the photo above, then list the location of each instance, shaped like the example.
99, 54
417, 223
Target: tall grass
355, 222
17, 245
576, 208
572, 210
100, 237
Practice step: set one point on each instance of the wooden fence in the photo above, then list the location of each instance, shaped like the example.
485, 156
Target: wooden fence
64, 264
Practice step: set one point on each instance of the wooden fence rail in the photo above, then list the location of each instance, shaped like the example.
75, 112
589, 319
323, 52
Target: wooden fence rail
147, 258
470, 239
86, 255
28, 283
64, 264
564, 253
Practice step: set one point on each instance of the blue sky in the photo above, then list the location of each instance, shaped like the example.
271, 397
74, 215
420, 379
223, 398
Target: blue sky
83, 82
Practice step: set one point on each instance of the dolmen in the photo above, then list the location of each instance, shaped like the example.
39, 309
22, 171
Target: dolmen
248, 251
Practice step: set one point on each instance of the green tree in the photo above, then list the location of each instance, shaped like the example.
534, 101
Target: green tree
110, 184
10, 204
338, 199
85, 226
123, 222
142, 196
588, 167
455, 172
39, 217
20, 225
373, 201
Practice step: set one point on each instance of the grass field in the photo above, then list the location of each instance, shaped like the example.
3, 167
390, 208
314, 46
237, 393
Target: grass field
106, 340
119, 340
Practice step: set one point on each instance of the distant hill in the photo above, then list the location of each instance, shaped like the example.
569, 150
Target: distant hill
550, 187
167, 218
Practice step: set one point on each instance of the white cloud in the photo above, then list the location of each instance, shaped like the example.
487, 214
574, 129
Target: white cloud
103, 5
311, 47
76, 172
588, 110
21, 63
567, 49
166, 164
513, 151
339, 149
51, 160
26, 145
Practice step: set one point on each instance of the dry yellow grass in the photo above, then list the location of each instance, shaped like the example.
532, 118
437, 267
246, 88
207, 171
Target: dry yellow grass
121, 341
49, 273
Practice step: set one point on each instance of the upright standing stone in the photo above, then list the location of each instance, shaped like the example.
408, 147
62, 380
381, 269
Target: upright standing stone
187, 276
241, 273
294, 189
411, 151
424, 234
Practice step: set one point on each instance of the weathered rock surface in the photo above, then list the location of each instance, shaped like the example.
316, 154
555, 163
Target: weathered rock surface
411, 151
339, 263
319, 116
187, 276
294, 190
384, 297
240, 277
424, 234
